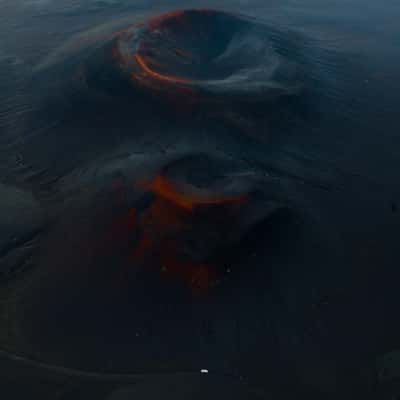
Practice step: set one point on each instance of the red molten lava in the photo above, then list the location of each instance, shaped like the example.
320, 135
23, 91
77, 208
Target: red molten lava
166, 190
169, 226
155, 22
160, 29
141, 61
173, 239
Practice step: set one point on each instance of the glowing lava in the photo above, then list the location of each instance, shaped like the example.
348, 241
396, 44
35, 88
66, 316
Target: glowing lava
175, 237
156, 76
207, 52
179, 239
166, 190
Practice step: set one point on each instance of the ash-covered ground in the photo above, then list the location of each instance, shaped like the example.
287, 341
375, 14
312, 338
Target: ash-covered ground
199, 199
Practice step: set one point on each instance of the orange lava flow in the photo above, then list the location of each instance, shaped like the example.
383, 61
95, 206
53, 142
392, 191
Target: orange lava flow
157, 76
162, 238
163, 188
154, 22
171, 240
166, 229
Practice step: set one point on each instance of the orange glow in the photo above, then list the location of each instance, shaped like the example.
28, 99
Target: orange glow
166, 229
164, 226
170, 239
144, 68
161, 187
155, 22
155, 75
160, 245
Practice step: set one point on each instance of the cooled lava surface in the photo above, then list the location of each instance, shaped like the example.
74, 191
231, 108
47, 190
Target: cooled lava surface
209, 53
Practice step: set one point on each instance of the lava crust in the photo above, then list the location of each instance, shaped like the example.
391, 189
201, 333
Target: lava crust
209, 54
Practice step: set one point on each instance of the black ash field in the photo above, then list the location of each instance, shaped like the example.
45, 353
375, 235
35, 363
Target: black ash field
199, 199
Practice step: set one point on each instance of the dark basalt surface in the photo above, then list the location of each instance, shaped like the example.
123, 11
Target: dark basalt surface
193, 190
212, 55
